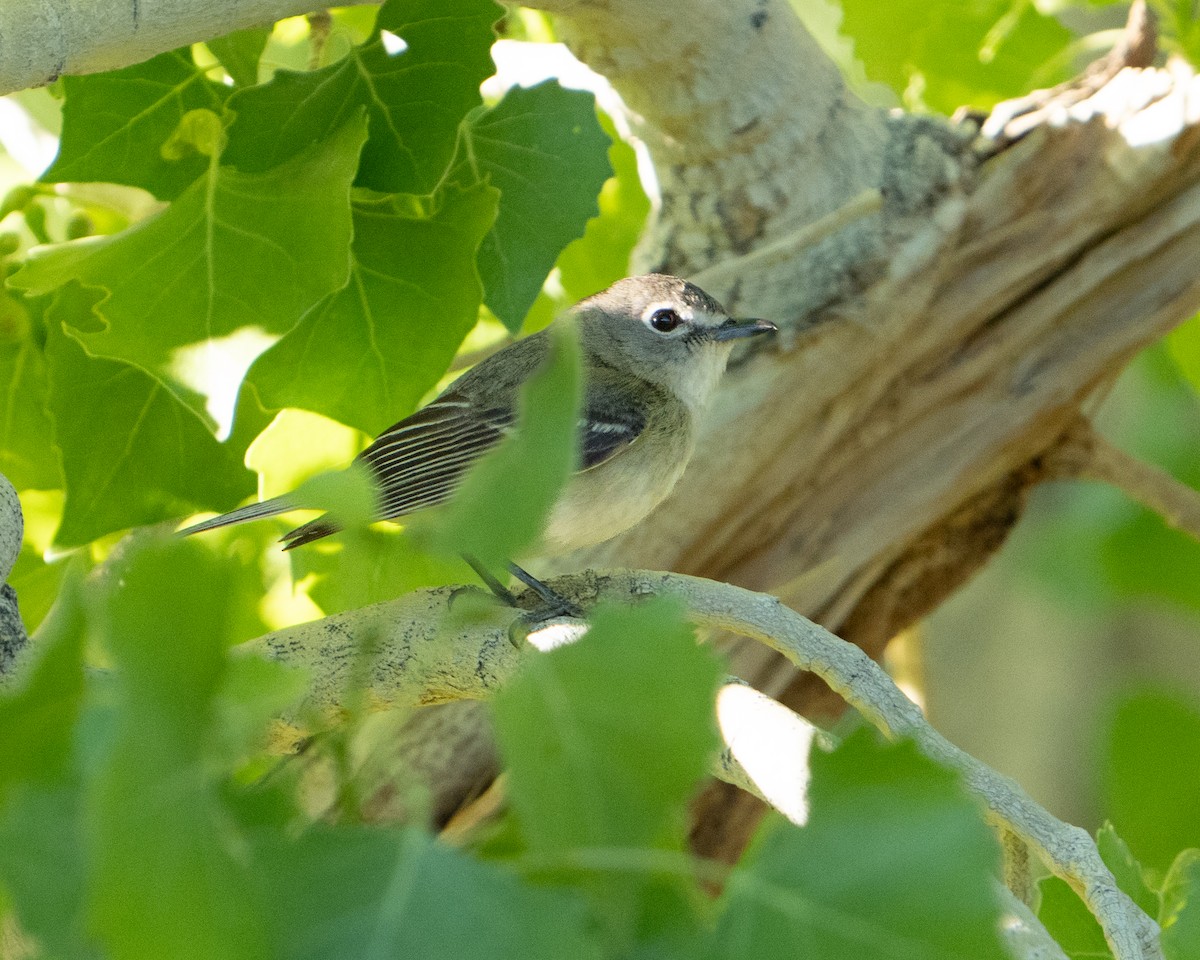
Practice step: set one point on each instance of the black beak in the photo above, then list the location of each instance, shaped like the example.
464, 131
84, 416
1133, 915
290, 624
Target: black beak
736, 329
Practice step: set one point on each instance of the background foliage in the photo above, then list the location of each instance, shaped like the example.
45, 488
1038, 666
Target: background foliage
249, 256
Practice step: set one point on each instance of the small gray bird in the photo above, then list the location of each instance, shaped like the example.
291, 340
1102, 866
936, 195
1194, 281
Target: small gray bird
652, 348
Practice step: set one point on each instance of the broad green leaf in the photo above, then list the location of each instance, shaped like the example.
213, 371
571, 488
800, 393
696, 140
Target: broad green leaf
147, 458
895, 862
370, 893
239, 53
38, 709
1153, 776
544, 149
116, 124
1070, 922
1126, 870
42, 866
169, 871
37, 584
601, 256
603, 759
503, 504
1180, 919
235, 250
599, 752
947, 53
26, 456
366, 354
414, 99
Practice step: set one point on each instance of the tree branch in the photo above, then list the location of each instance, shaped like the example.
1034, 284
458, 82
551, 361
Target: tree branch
418, 650
1085, 455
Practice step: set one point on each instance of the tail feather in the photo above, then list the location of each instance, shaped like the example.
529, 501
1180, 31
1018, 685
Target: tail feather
252, 511
308, 532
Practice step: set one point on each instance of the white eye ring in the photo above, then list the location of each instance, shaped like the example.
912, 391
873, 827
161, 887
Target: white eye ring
664, 320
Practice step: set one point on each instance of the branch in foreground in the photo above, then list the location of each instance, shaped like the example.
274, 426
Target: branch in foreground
418, 649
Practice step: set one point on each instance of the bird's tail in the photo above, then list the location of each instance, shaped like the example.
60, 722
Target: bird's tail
252, 511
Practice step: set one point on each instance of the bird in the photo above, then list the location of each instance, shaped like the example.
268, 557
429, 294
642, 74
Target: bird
653, 349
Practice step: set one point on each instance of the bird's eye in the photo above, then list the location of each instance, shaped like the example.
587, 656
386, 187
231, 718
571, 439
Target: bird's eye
664, 320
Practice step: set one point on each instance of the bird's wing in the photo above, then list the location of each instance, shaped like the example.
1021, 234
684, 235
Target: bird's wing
419, 462
613, 416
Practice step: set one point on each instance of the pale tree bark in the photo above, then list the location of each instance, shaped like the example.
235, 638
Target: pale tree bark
13, 639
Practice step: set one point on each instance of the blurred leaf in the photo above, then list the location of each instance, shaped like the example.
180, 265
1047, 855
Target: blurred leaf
601, 256
955, 52
544, 149
895, 862
602, 757
599, 754
235, 250
1183, 345
370, 893
116, 124
37, 584
1069, 922
44, 867
38, 710
1153, 776
170, 877
26, 458
1180, 918
239, 53
366, 354
414, 99
504, 502
371, 566
1126, 870
146, 458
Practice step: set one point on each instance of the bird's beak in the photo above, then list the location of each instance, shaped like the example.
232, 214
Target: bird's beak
735, 329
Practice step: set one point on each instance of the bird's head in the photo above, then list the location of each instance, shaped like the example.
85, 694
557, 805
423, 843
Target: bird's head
665, 330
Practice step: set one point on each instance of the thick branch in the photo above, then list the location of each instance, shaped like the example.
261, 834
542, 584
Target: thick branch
43, 40
419, 651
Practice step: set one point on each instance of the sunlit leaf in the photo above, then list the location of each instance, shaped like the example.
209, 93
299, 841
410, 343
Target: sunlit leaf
366, 354
1180, 919
235, 250
116, 124
543, 148
239, 53
414, 99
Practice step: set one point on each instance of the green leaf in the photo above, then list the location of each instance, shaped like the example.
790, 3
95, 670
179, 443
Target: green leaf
1070, 922
947, 53
366, 354
235, 250
1180, 919
503, 504
38, 711
25, 456
1126, 870
1183, 345
599, 753
169, 872
116, 124
601, 256
603, 759
546, 152
239, 53
148, 457
414, 99
357, 892
895, 862
1153, 776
